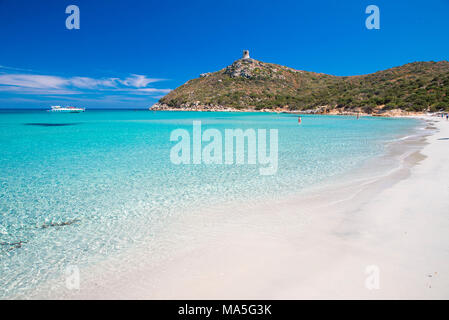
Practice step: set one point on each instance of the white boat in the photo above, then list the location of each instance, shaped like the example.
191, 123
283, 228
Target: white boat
66, 109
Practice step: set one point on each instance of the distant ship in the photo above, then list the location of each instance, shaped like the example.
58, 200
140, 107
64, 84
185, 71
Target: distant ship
66, 109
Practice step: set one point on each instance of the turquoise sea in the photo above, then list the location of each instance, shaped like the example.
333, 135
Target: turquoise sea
76, 188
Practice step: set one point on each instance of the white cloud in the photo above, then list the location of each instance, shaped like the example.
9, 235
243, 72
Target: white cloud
16, 69
153, 90
32, 81
138, 81
55, 85
90, 83
38, 91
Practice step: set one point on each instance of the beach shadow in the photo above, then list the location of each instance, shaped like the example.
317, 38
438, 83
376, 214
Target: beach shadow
60, 224
51, 124
13, 245
443, 139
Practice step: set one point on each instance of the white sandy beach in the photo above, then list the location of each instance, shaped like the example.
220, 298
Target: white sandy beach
314, 246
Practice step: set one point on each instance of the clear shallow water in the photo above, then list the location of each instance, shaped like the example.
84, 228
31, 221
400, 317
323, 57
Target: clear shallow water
108, 175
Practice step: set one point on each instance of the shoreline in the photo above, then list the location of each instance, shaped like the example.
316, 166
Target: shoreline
317, 111
319, 249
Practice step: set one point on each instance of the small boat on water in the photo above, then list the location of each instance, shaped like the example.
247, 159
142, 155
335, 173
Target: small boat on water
66, 109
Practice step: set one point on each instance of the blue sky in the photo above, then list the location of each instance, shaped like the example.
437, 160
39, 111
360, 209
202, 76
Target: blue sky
127, 54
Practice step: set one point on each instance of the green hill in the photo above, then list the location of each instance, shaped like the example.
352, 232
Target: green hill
251, 84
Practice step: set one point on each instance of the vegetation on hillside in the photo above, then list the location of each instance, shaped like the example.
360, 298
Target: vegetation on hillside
249, 83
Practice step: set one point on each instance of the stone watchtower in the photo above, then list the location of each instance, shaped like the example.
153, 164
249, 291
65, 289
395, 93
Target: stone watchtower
245, 54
